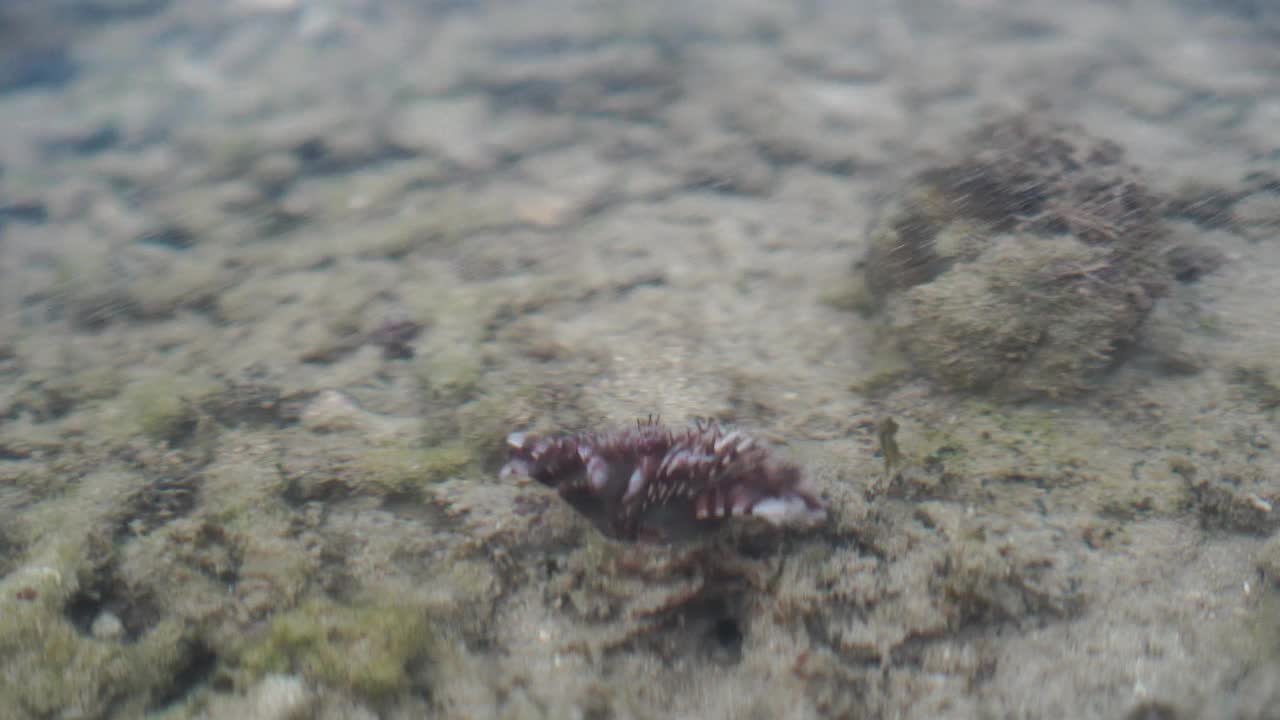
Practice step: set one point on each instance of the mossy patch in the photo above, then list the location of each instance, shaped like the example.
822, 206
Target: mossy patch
483, 425
1254, 637
852, 295
1024, 267
888, 366
189, 282
447, 221
451, 375
89, 285
160, 407
1261, 384
397, 469
375, 652
985, 583
60, 393
1268, 561
49, 668
962, 328
1028, 455
1238, 497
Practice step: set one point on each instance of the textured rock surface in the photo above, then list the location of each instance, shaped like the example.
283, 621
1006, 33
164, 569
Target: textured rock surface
1025, 266
277, 278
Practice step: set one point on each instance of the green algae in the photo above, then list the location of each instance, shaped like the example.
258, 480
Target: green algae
446, 220
159, 406
887, 367
373, 651
397, 469
50, 668
1024, 456
482, 425
1268, 562
1261, 383
1012, 321
1252, 639
160, 409
63, 392
850, 295
451, 375
188, 282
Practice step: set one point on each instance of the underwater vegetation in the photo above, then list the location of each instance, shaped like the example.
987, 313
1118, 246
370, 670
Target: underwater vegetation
1024, 265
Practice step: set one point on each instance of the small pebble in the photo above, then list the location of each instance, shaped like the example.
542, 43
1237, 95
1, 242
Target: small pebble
331, 411
107, 627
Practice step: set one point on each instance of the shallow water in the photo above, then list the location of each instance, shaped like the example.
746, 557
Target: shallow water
277, 278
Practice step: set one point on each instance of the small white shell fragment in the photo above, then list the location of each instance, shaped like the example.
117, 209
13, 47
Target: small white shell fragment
332, 412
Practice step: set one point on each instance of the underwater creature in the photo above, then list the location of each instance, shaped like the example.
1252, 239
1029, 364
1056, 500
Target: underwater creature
654, 484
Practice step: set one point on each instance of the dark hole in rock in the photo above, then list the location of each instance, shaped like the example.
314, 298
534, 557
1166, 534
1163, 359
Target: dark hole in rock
395, 336
298, 492
1188, 275
597, 713
104, 602
1153, 710
720, 631
252, 399
312, 151
90, 142
170, 236
728, 634
195, 670
29, 211
1189, 263
163, 500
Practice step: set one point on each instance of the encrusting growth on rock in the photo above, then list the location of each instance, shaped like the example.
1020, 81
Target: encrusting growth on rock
1023, 265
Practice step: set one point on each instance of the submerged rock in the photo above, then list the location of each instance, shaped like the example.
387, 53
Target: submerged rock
1024, 265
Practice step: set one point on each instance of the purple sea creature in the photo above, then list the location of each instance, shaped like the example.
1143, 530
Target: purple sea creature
654, 484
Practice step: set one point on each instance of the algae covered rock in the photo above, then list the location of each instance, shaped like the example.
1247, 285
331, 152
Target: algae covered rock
374, 652
1024, 265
